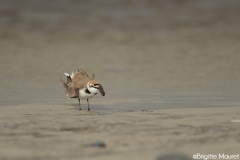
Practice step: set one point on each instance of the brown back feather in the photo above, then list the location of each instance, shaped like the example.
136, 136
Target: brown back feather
80, 79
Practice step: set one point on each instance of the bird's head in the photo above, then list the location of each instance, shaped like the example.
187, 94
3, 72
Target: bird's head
94, 86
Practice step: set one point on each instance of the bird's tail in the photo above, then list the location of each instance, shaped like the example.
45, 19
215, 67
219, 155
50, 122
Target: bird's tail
64, 83
70, 91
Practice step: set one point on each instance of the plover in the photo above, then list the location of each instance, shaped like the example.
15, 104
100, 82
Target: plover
82, 86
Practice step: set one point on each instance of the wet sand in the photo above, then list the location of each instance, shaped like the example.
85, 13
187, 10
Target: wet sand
170, 70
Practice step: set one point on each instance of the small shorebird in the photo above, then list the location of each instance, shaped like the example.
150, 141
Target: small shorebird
82, 86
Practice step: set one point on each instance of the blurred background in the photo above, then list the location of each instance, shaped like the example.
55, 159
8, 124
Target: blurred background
147, 54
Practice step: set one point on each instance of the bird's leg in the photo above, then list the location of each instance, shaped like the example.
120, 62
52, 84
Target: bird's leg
79, 103
88, 105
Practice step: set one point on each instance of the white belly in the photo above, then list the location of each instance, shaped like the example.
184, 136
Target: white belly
84, 95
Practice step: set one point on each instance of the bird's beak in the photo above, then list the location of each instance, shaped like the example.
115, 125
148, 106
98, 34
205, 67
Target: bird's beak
101, 90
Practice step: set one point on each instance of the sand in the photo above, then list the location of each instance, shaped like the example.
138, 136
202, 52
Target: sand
62, 132
170, 70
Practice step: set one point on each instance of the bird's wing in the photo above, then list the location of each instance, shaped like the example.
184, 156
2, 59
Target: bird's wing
80, 79
72, 92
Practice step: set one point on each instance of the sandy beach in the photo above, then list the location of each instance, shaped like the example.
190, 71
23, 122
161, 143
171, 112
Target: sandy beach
170, 70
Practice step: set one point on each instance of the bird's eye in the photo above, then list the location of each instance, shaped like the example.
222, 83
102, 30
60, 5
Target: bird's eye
96, 85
